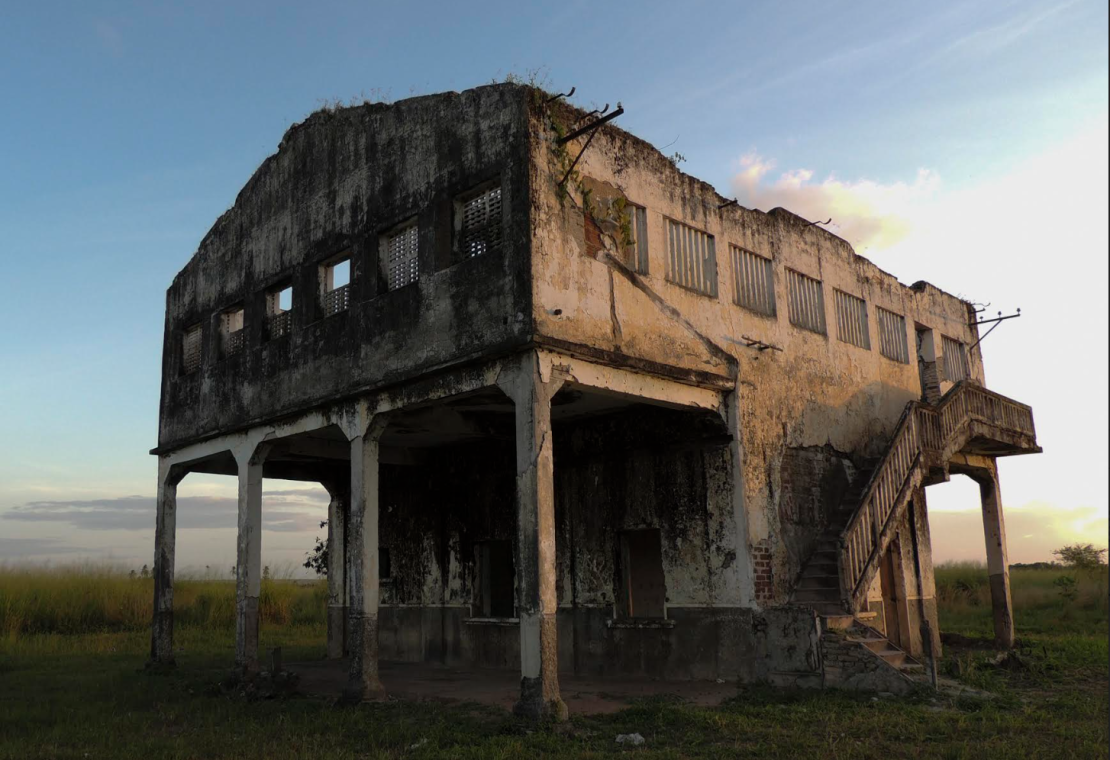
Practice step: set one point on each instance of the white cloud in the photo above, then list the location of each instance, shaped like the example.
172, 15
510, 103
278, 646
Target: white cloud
864, 212
1035, 237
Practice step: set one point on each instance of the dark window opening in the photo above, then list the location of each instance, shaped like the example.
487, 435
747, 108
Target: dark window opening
645, 593
480, 224
384, 566
637, 249
400, 251
495, 579
335, 286
279, 312
190, 350
232, 334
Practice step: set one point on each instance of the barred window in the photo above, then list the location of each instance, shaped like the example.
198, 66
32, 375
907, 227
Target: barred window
892, 336
691, 258
232, 335
190, 350
402, 264
753, 281
279, 312
851, 320
806, 302
955, 359
336, 286
638, 246
480, 230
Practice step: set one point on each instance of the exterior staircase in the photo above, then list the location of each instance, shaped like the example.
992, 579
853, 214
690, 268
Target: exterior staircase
835, 580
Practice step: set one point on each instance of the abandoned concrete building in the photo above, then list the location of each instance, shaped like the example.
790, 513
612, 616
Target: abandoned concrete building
577, 412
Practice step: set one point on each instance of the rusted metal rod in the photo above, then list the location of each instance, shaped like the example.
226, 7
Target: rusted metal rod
592, 125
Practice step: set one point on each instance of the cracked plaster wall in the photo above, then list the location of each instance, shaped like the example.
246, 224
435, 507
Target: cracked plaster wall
817, 392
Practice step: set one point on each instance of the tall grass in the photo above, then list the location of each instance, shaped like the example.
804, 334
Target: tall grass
104, 598
964, 598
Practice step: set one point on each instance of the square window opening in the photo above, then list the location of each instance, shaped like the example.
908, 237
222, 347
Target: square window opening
637, 248
190, 350
753, 281
401, 256
232, 334
956, 366
335, 286
279, 312
643, 593
496, 574
806, 302
479, 223
893, 342
691, 258
851, 320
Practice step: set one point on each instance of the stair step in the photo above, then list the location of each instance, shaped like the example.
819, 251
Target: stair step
893, 657
807, 595
818, 580
838, 622
827, 610
867, 615
912, 667
875, 644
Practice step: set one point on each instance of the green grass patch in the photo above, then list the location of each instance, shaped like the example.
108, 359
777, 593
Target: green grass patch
86, 695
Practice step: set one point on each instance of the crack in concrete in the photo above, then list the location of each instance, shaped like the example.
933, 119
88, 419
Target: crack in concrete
716, 350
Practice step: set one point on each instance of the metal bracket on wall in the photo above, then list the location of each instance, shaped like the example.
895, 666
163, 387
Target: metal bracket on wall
560, 95
591, 127
996, 322
755, 343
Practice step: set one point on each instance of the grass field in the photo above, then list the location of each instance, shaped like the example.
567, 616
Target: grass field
73, 643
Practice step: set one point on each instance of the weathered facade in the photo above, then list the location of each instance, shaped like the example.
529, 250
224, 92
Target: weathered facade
577, 412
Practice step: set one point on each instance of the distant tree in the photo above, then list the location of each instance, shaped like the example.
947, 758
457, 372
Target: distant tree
145, 572
266, 573
1083, 557
131, 575
317, 559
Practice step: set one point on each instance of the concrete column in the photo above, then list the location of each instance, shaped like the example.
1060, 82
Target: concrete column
248, 564
535, 545
165, 540
337, 568
743, 567
362, 565
994, 531
927, 586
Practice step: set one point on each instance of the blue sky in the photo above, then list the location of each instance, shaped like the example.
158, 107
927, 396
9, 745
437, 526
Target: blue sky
952, 142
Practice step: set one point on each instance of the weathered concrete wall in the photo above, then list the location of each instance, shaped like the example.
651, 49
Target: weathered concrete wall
338, 181
818, 391
646, 467
851, 666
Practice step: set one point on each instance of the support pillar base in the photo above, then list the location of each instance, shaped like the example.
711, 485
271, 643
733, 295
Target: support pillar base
161, 641
246, 634
363, 683
539, 696
532, 705
1003, 617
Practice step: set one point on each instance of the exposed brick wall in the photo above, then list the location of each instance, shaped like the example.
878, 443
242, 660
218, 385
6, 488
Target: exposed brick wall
594, 243
762, 560
930, 382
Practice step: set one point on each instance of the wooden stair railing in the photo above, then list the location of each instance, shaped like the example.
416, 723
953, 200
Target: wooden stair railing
924, 435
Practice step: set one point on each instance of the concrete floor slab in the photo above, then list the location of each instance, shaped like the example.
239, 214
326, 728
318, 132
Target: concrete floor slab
583, 695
